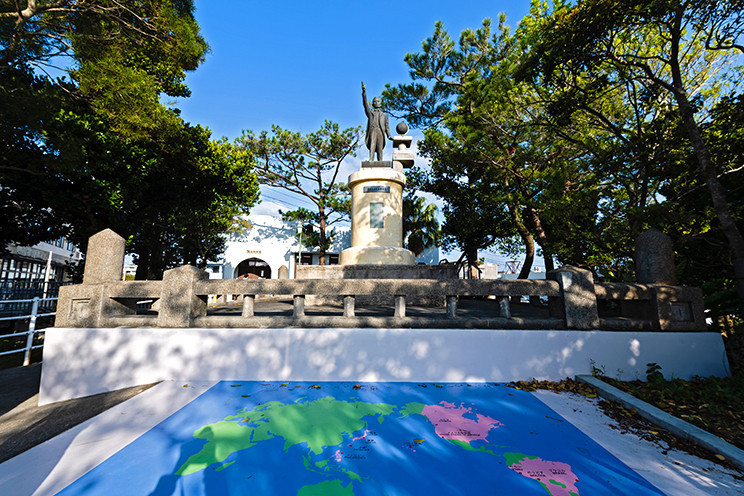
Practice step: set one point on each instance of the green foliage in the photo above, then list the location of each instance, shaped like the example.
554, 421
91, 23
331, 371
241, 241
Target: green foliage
680, 54
653, 373
495, 163
712, 403
591, 123
99, 150
26, 187
171, 194
121, 55
420, 225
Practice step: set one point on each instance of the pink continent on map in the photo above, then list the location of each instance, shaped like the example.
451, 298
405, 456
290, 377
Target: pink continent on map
557, 477
450, 422
363, 436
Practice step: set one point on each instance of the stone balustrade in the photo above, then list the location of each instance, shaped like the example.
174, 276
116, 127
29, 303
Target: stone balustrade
568, 299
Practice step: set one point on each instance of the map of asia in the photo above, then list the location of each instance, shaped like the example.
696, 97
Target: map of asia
337, 438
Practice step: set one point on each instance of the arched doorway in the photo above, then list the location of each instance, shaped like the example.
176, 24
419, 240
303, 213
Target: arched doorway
254, 266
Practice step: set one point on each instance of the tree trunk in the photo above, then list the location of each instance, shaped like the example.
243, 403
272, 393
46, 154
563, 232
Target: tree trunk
527, 239
707, 167
156, 265
542, 238
143, 266
322, 255
717, 192
471, 256
529, 256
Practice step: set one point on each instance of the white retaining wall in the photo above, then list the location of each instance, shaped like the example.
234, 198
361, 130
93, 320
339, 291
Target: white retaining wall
80, 362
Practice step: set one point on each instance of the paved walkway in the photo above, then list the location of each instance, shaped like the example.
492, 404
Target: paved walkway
71, 452
24, 425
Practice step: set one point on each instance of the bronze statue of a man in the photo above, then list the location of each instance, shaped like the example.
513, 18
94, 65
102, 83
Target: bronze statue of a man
377, 126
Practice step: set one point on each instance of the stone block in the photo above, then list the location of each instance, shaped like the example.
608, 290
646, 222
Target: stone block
104, 258
679, 308
377, 255
579, 300
179, 303
80, 306
283, 272
402, 143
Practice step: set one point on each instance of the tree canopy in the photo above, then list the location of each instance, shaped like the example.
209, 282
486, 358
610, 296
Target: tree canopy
587, 124
307, 165
121, 55
97, 149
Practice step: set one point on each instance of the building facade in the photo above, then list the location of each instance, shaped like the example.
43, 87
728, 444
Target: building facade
270, 249
44, 261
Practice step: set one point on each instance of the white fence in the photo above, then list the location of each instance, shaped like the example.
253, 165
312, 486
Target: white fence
32, 330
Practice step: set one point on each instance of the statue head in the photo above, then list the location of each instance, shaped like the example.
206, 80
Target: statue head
376, 102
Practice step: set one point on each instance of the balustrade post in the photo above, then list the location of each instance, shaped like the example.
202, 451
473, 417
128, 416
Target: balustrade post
299, 306
248, 305
504, 306
179, 303
400, 305
579, 307
31, 331
452, 307
349, 302
87, 304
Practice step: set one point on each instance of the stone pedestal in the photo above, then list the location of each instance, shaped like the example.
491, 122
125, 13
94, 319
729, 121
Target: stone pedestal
377, 217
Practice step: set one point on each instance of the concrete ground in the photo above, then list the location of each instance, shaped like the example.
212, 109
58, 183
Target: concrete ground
24, 425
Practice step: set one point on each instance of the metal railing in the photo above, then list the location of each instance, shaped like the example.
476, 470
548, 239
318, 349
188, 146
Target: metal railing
36, 306
16, 295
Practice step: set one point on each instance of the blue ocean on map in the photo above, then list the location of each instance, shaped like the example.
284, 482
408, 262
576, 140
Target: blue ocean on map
342, 438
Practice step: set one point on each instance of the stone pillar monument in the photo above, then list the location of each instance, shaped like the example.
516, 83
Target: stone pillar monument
654, 258
377, 198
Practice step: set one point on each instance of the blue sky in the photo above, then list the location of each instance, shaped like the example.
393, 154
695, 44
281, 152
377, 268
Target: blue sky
296, 64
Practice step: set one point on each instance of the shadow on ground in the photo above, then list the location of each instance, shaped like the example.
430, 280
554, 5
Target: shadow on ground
23, 424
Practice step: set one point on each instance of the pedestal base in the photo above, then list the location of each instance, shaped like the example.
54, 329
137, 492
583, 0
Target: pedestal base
377, 255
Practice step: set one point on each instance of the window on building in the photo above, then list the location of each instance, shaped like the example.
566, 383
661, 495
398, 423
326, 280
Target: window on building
60, 242
333, 259
5, 269
70, 246
22, 270
306, 259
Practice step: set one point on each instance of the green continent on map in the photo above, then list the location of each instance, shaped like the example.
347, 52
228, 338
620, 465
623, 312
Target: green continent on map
326, 488
319, 424
223, 438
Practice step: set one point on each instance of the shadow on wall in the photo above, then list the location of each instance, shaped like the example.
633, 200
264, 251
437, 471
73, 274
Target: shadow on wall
81, 362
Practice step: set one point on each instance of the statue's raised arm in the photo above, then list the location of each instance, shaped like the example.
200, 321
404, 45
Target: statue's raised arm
377, 126
367, 110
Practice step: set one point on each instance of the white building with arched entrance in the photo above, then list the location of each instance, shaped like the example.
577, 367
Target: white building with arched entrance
269, 248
